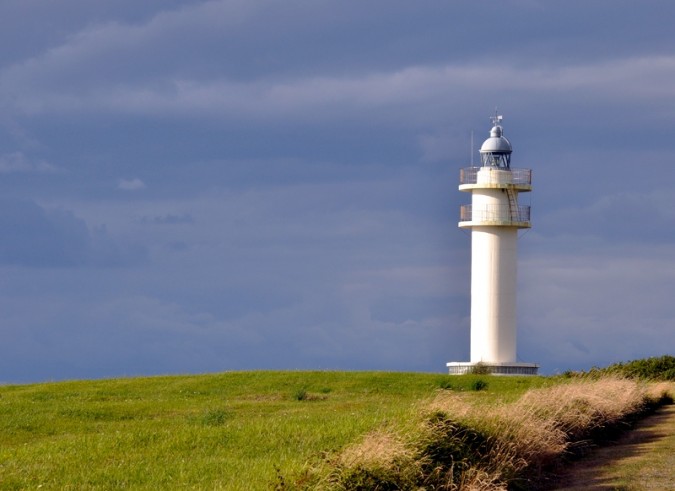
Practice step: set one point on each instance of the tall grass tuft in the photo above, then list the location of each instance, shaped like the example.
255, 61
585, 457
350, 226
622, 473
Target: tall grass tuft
455, 444
380, 458
586, 408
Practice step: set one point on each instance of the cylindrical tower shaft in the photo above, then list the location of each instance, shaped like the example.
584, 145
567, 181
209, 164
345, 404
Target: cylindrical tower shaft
493, 294
493, 270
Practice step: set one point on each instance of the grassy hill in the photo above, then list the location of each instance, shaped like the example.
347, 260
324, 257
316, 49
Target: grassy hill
255, 430
229, 430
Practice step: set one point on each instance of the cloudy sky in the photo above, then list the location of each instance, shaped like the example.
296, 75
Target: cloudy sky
199, 186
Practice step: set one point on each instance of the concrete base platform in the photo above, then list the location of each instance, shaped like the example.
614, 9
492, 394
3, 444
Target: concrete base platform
462, 368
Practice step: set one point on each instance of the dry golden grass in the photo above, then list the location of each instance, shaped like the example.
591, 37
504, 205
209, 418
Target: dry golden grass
658, 390
380, 457
579, 408
377, 449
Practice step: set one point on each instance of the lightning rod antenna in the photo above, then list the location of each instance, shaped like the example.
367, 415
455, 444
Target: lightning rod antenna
471, 148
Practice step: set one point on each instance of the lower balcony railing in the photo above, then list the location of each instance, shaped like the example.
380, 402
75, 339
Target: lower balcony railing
494, 213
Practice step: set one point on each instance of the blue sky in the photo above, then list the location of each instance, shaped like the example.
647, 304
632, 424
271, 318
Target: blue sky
198, 186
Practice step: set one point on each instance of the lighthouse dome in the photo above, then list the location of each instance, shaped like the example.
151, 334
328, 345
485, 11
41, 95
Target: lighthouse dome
496, 150
497, 143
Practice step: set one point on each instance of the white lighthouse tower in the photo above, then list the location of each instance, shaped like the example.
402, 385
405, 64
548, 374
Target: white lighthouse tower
494, 217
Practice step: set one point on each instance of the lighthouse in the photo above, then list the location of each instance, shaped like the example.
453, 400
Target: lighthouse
494, 218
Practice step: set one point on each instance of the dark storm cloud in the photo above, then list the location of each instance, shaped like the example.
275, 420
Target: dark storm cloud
36, 237
168, 219
151, 66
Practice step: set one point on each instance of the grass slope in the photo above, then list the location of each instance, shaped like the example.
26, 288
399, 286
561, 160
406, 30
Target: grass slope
224, 431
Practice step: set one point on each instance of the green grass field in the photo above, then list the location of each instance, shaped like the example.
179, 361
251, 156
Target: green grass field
221, 431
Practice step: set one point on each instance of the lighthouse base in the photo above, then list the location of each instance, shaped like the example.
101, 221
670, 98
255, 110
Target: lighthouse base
463, 368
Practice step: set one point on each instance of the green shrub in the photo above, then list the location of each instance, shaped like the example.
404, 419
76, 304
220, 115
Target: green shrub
445, 385
300, 394
479, 385
480, 369
654, 368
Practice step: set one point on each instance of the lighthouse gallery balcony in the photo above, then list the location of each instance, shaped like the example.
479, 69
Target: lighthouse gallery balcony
517, 179
494, 215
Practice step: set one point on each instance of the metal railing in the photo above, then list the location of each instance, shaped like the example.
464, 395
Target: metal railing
494, 213
469, 175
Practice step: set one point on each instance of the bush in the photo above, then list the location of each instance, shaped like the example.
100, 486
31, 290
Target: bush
445, 385
480, 369
300, 394
479, 385
655, 368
